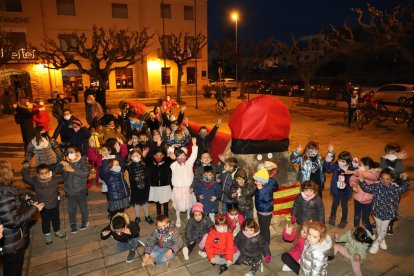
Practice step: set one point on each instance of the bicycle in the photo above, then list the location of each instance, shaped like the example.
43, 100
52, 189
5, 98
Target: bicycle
356, 118
405, 111
379, 111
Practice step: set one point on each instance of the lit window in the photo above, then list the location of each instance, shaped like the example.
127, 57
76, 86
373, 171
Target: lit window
72, 80
188, 13
124, 78
119, 10
166, 76
11, 5
191, 75
66, 7
165, 10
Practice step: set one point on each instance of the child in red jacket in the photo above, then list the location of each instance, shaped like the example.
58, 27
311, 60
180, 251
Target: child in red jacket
42, 118
220, 245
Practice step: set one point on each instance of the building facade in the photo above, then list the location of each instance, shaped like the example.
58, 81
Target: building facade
31, 21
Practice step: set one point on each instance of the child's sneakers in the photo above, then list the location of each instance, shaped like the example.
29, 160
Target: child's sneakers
202, 254
332, 221
48, 238
186, 253
150, 261
131, 256
286, 268
374, 248
149, 220
60, 234
342, 224
383, 245
223, 268
73, 228
84, 225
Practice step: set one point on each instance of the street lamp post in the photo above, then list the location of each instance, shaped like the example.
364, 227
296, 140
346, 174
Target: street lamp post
235, 17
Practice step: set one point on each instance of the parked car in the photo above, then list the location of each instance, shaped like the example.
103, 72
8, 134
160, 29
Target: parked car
228, 83
334, 90
259, 87
399, 92
288, 87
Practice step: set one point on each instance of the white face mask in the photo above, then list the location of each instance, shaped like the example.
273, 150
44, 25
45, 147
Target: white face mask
136, 159
67, 117
233, 216
391, 157
72, 156
221, 229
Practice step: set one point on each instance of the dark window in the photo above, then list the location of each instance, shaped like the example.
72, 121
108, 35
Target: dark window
18, 40
166, 76
11, 5
66, 7
119, 10
165, 10
124, 78
191, 75
188, 13
68, 42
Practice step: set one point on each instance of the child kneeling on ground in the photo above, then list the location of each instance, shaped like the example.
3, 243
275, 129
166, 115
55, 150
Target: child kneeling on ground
164, 243
196, 231
252, 246
124, 231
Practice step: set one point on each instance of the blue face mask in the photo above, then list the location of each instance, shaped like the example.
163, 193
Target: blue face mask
116, 169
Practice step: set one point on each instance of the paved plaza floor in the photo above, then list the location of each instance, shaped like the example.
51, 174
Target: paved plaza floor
85, 253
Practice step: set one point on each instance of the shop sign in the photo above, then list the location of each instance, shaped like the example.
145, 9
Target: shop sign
15, 19
20, 55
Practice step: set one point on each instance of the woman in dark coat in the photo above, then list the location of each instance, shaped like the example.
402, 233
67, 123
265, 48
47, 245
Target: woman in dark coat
15, 215
23, 117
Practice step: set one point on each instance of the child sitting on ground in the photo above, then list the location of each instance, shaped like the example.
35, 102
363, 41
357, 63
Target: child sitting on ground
208, 192
124, 231
220, 245
196, 231
308, 205
355, 249
163, 244
45, 185
252, 246
234, 218
292, 232
242, 192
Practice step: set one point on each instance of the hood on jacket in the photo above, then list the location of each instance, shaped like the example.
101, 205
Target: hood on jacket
124, 216
325, 245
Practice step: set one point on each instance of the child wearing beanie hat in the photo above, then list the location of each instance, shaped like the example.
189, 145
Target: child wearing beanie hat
265, 186
242, 192
196, 231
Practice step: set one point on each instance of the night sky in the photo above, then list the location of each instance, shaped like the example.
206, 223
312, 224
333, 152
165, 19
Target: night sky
281, 18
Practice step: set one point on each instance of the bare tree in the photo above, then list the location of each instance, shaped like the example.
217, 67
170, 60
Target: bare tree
106, 51
6, 47
181, 48
390, 29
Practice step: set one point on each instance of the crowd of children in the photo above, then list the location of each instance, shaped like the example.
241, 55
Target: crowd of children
137, 163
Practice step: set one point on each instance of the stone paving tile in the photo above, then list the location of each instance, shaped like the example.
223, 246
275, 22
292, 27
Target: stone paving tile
48, 267
119, 258
47, 249
182, 271
84, 257
46, 258
99, 272
87, 267
80, 240
140, 271
63, 272
83, 248
121, 268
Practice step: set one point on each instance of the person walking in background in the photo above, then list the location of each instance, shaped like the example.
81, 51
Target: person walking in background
23, 117
59, 106
94, 111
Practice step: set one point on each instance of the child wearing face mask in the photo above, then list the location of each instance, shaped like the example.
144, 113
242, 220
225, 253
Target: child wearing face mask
196, 231
112, 130
220, 245
208, 192
125, 232
234, 218
44, 149
75, 172
310, 164
362, 200
242, 191
308, 205
181, 179
139, 182
118, 191
318, 247
393, 160
386, 194
160, 180
133, 142
205, 161
340, 189
163, 244
252, 246
45, 185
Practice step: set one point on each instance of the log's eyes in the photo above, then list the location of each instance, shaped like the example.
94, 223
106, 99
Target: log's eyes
269, 155
259, 157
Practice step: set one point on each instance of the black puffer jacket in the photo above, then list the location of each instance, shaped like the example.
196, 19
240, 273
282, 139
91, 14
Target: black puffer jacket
15, 216
75, 182
312, 209
195, 230
245, 200
252, 247
138, 179
160, 173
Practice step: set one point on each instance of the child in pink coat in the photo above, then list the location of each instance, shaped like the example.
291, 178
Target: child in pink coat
362, 200
292, 257
234, 218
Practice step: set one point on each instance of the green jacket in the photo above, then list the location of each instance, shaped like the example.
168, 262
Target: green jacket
353, 246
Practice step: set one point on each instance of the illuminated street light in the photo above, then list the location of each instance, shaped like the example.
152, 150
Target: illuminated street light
235, 18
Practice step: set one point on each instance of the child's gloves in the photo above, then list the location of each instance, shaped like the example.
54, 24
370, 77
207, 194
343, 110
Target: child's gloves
268, 258
293, 219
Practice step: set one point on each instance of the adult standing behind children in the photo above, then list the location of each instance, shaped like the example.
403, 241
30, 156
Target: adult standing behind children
23, 117
59, 106
94, 111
